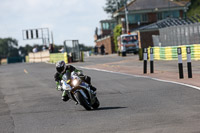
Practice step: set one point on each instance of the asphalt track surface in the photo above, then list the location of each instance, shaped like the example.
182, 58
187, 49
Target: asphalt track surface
29, 103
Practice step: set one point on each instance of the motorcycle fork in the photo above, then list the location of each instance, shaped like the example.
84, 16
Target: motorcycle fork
64, 93
73, 97
90, 95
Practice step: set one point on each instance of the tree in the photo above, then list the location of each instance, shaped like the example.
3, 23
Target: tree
8, 47
113, 5
194, 10
117, 32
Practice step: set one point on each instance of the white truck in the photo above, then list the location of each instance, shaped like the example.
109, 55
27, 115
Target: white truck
128, 43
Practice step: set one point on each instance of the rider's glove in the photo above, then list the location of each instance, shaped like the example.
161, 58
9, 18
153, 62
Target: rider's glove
59, 88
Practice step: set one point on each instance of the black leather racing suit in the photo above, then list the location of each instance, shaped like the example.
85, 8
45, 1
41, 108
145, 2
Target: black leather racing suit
69, 69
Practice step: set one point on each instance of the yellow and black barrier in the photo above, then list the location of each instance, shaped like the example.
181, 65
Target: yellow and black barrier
170, 53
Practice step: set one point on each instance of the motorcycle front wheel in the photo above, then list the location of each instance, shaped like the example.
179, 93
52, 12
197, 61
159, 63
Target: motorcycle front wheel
82, 101
96, 104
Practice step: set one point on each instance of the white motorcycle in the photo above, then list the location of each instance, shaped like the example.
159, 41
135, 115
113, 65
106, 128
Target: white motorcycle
79, 91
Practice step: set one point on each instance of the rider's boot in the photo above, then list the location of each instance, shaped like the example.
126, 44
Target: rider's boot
65, 97
93, 88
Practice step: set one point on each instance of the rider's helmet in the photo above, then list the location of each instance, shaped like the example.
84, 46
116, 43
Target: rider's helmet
60, 66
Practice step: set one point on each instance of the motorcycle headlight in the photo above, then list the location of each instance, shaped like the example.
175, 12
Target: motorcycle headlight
75, 82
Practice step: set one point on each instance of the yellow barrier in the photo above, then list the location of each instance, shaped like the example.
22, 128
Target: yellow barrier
46, 57
58, 57
156, 53
170, 53
27, 58
196, 51
65, 58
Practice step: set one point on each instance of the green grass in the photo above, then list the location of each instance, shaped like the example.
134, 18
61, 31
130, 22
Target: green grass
194, 9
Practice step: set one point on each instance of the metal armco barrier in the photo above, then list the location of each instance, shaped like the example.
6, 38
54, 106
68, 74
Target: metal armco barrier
151, 61
189, 64
180, 63
145, 60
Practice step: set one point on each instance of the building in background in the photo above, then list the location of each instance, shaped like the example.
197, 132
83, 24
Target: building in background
145, 12
142, 13
106, 36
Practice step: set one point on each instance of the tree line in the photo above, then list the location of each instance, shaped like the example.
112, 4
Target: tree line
112, 6
9, 47
194, 9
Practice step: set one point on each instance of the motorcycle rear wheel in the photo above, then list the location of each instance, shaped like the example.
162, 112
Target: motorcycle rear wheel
82, 101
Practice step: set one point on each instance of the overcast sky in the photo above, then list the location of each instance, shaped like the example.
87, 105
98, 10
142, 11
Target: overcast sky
67, 19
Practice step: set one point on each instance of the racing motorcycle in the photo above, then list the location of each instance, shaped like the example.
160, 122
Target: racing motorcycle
79, 91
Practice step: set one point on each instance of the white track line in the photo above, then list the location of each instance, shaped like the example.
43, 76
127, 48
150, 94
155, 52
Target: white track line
167, 81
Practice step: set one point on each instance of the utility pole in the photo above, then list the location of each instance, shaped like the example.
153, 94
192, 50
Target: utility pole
117, 4
48, 35
52, 37
170, 14
126, 15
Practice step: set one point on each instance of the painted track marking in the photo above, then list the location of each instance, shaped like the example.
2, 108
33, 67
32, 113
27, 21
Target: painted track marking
25, 71
140, 76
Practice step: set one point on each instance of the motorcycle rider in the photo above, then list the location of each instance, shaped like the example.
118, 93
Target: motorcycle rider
62, 69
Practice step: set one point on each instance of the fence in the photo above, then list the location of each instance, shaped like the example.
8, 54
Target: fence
73, 52
15, 59
9, 60
43, 56
170, 53
178, 35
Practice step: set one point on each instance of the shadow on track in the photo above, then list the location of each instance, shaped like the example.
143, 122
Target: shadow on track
110, 108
